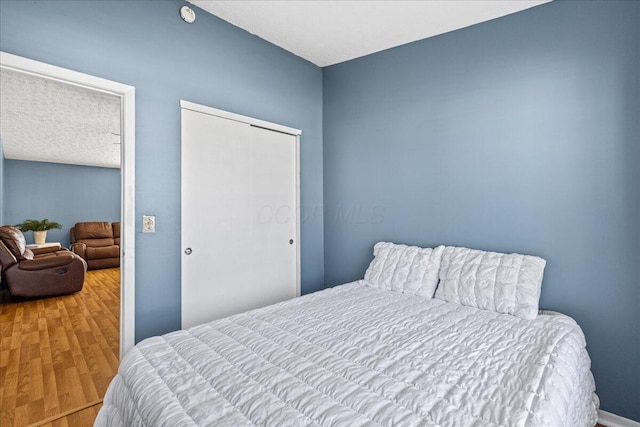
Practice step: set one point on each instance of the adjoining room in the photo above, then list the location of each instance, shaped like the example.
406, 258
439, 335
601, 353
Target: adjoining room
60, 302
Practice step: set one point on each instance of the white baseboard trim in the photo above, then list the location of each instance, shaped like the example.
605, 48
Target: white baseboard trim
612, 420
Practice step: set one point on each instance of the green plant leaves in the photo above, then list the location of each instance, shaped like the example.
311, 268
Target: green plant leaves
35, 225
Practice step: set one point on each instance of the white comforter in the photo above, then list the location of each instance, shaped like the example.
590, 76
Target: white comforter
355, 355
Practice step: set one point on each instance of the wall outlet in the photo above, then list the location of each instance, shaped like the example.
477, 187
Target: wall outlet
148, 223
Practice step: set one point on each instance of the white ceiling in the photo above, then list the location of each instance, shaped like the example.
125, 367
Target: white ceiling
51, 121
333, 31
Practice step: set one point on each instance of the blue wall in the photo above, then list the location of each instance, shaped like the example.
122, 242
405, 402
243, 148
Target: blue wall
145, 44
517, 135
63, 193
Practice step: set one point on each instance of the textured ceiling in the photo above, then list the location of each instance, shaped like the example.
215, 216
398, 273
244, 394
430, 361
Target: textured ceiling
328, 32
51, 121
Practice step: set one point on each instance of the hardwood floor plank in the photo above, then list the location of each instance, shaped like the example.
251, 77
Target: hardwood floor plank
10, 384
51, 395
21, 416
35, 410
36, 389
59, 354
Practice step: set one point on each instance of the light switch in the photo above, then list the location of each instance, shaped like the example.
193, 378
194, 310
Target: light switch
148, 223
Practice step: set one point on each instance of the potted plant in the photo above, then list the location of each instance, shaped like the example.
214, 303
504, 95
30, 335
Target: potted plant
39, 228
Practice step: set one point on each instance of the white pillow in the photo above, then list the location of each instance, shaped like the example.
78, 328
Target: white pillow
407, 269
505, 283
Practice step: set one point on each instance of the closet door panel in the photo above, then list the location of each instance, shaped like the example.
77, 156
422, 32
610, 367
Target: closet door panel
239, 229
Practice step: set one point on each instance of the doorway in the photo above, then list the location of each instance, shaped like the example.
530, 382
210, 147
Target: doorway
64, 389
127, 94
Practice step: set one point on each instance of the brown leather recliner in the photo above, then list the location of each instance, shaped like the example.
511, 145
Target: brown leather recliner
98, 243
38, 273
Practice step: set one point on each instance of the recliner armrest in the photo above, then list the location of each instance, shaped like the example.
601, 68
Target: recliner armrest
80, 249
46, 262
46, 250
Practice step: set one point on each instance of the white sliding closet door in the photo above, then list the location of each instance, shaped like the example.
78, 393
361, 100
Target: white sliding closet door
239, 221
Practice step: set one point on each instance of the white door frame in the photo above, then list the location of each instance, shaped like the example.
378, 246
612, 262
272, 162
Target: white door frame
127, 173
267, 125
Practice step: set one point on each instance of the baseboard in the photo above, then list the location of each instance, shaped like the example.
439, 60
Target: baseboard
612, 420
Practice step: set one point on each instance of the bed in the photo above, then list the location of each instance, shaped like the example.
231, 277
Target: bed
378, 351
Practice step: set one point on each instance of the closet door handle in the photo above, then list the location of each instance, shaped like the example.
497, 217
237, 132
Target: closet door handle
188, 251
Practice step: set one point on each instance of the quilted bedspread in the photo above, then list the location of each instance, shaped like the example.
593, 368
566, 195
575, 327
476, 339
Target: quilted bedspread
355, 355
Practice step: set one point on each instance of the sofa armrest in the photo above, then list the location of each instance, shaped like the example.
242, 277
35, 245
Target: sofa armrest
80, 249
60, 260
46, 250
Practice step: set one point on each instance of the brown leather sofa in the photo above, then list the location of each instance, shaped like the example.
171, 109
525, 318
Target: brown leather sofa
98, 243
38, 273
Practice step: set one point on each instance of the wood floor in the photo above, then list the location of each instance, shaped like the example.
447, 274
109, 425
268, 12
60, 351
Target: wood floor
82, 418
58, 355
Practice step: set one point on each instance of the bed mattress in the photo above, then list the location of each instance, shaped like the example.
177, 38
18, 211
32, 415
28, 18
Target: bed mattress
355, 355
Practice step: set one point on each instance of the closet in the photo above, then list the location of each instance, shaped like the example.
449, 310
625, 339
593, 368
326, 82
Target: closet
240, 227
